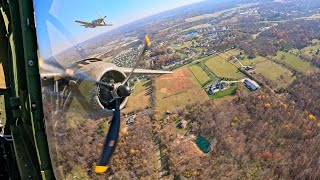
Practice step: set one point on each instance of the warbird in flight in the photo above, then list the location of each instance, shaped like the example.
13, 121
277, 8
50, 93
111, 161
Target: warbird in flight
94, 23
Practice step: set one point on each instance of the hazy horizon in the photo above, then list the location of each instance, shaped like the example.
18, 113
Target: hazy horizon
58, 32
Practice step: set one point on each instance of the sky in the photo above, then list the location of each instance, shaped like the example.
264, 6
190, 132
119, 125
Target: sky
55, 19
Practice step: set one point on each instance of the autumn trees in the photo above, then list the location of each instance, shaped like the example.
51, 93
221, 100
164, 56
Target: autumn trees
293, 34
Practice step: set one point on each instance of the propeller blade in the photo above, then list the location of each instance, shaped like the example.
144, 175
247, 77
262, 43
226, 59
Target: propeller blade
110, 141
146, 44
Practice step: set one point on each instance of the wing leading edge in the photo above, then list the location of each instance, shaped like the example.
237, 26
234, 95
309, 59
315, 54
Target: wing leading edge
82, 22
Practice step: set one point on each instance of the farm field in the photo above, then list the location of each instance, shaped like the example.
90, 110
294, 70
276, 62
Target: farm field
295, 62
252, 62
139, 98
198, 27
234, 52
311, 51
199, 74
311, 48
223, 69
278, 75
218, 13
177, 90
312, 17
227, 54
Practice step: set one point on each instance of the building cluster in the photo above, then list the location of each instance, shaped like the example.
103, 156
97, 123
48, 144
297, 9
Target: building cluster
217, 86
127, 58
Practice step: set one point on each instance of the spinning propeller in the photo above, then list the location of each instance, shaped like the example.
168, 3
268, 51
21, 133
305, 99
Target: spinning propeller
119, 90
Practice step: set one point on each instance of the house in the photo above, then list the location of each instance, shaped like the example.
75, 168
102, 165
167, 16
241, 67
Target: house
182, 124
130, 120
251, 84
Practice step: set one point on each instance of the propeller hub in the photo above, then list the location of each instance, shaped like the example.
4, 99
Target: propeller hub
124, 91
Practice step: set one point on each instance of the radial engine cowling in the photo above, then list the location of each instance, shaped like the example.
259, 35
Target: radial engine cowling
100, 97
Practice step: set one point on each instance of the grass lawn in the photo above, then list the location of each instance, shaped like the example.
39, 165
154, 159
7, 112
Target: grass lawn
231, 91
199, 74
234, 52
280, 76
227, 54
223, 69
252, 62
294, 62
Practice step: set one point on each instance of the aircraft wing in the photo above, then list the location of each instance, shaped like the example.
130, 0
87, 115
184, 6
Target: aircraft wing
103, 24
82, 22
144, 71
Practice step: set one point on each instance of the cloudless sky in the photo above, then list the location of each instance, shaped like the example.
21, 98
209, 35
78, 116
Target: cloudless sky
57, 18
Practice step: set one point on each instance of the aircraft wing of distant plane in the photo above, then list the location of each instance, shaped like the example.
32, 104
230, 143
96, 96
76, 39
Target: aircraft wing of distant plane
82, 22
103, 24
144, 71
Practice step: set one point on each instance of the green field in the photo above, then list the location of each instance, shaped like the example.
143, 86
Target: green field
278, 75
294, 62
227, 54
223, 69
311, 48
310, 51
199, 74
252, 62
231, 91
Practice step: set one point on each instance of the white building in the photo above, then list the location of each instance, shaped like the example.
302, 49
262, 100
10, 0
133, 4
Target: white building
251, 84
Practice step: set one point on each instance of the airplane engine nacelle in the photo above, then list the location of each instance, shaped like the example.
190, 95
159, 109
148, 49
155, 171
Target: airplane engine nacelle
100, 97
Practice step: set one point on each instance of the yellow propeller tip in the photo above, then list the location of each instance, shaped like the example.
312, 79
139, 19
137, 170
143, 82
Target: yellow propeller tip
40, 61
148, 41
101, 169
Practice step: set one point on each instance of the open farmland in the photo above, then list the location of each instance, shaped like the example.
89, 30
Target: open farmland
199, 74
312, 17
177, 90
278, 75
252, 62
218, 13
223, 69
198, 27
139, 98
227, 54
295, 62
